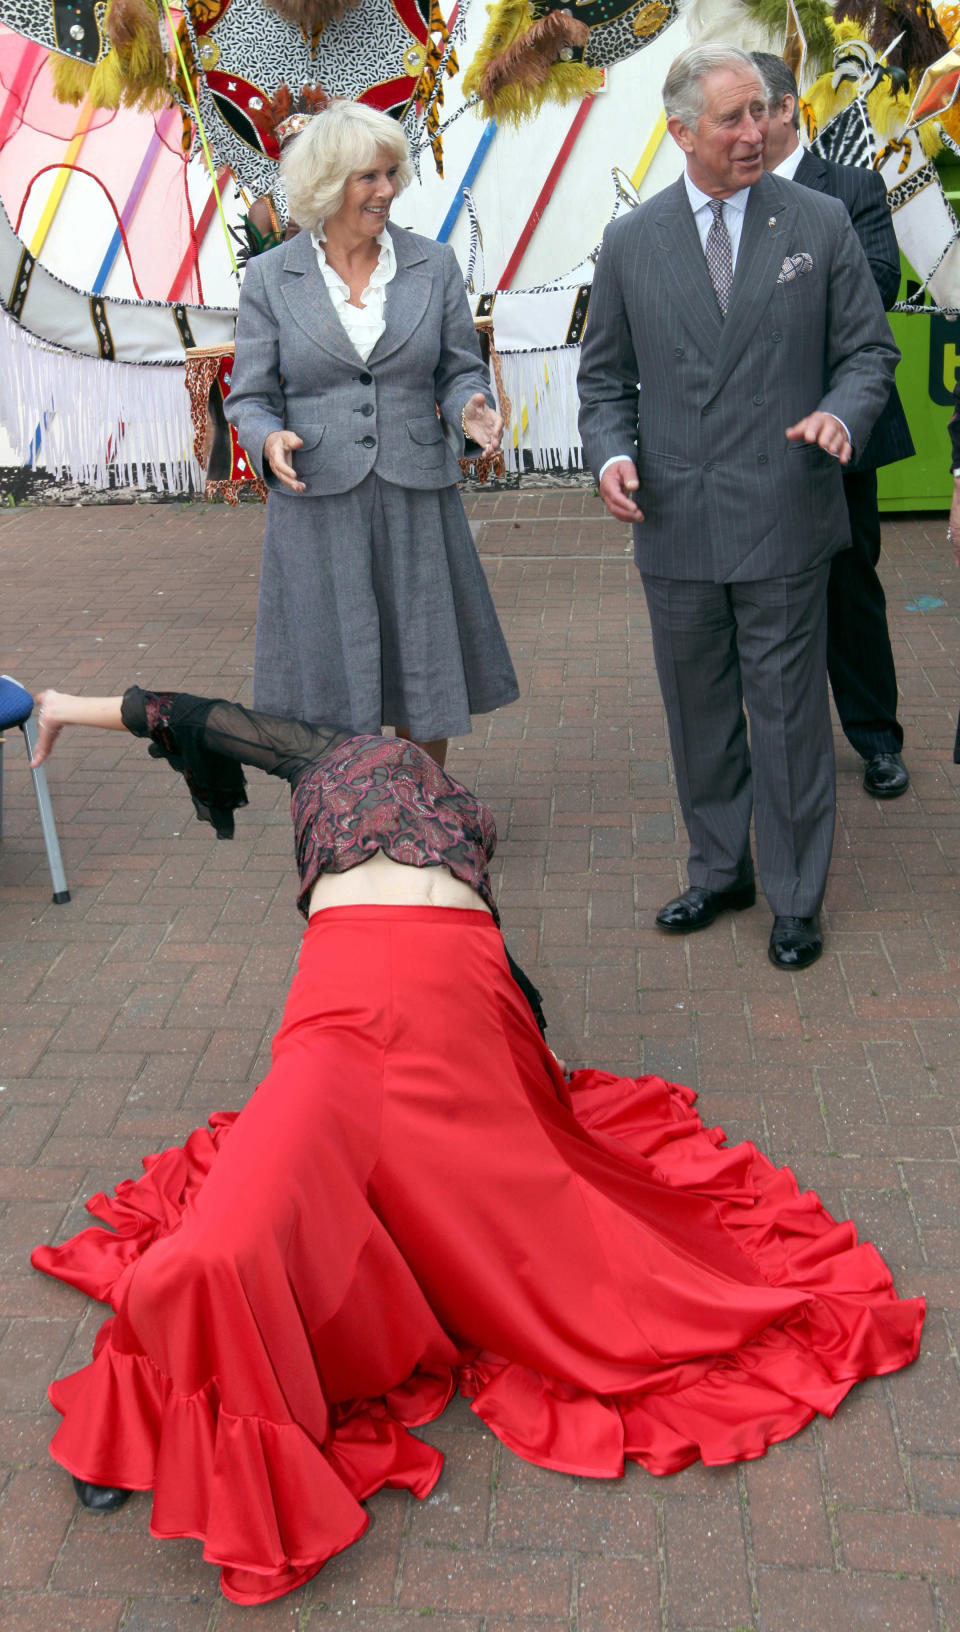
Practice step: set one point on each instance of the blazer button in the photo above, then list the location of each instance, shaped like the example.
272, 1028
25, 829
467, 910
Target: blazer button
708, 464
678, 351
761, 459
759, 400
365, 379
776, 337
368, 441
367, 410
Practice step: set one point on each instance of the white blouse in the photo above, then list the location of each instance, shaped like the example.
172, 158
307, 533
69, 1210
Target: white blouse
365, 323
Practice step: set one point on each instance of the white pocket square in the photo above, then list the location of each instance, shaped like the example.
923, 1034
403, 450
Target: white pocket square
794, 267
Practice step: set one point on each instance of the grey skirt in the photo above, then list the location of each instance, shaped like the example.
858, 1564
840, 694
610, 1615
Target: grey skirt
374, 610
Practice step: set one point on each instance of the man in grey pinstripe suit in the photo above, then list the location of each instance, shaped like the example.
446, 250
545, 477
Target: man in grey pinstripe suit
736, 352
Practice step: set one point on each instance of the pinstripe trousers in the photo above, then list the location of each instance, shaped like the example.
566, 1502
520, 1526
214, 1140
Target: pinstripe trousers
718, 648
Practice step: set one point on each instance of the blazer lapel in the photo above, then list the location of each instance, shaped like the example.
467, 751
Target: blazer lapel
308, 301
768, 216
688, 282
408, 294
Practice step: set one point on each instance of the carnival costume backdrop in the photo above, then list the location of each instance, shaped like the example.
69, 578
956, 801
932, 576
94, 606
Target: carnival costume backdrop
415, 1201
200, 81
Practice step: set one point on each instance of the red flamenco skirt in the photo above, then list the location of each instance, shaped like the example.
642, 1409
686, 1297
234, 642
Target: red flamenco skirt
414, 1201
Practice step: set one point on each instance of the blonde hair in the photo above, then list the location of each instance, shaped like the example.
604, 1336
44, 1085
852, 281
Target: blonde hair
344, 138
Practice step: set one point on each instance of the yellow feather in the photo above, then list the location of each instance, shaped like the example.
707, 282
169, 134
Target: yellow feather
565, 82
71, 79
106, 85
508, 18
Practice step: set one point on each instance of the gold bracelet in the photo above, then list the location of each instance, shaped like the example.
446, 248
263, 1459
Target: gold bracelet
463, 423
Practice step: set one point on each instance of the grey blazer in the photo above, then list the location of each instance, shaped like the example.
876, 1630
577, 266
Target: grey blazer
296, 369
702, 403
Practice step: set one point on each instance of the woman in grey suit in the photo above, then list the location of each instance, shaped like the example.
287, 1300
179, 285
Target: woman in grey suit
374, 608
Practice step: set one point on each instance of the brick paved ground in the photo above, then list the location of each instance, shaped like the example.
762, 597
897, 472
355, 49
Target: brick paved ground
149, 1000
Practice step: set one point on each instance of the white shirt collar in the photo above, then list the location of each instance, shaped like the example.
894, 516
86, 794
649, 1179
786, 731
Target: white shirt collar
385, 269
319, 238
789, 166
698, 199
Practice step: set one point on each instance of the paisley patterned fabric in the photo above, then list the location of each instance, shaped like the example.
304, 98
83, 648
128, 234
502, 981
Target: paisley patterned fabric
382, 793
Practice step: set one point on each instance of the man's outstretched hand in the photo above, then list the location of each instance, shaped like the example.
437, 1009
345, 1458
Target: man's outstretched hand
618, 484
826, 431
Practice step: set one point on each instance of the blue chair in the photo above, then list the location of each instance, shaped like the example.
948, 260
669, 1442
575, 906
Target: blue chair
16, 708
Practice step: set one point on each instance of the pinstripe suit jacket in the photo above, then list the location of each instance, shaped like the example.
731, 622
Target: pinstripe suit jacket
725, 496
864, 195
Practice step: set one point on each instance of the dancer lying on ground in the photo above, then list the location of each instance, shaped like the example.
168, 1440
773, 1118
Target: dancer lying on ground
417, 1200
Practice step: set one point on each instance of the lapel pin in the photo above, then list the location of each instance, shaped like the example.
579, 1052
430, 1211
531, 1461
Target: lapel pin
772, 221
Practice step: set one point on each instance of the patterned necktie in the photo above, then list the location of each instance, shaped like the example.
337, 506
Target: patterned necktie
719, 256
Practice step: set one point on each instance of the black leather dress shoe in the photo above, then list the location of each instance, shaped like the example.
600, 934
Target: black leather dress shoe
696, 908
100, 1498
886, 777
795, 943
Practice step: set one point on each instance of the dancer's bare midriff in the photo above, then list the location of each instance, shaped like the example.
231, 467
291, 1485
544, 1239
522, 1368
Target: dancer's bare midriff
382, 882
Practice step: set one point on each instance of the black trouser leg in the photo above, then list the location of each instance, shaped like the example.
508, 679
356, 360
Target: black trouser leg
859, 658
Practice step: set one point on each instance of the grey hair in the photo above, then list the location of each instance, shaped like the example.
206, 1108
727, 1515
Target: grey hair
779, 81
683, 86
344, 138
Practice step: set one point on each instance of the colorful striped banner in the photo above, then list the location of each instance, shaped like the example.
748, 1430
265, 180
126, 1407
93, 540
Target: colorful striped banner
545, 193
31, 62
192, 99
469, 176
82, 126
207, 214
650, 151
169, 117
84, 121
37, 442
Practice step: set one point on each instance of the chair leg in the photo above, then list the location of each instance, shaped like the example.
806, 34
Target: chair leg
54, 859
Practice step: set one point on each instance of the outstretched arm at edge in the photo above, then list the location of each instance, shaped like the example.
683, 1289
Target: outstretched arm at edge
206, 739
269, 742
55, 709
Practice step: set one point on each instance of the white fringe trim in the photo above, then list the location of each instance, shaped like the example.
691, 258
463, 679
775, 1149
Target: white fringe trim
542, 387
101, 423
104, 424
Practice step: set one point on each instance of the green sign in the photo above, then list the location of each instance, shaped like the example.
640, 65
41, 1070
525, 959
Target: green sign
929, 367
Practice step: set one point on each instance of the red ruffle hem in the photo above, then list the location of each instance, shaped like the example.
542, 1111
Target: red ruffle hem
414, 1201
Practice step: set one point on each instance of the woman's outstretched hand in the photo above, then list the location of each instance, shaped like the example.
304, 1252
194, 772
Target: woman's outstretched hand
276, 451
48, 726
482, 423
55, 709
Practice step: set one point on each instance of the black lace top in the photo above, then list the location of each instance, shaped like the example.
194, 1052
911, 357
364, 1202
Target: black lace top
351, 795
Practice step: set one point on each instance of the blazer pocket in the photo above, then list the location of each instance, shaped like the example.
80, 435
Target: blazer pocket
308, 458
672, 461
427, 434
813, 454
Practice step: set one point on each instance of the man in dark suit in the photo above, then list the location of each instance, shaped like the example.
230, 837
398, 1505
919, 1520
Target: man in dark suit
742, 307
859, 658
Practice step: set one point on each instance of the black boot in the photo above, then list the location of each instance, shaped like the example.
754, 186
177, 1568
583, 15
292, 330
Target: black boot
100, 1498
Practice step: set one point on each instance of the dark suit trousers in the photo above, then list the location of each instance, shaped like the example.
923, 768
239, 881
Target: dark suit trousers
718, 647
859, 658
